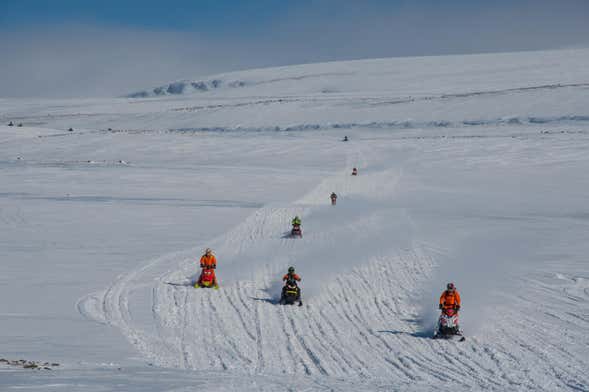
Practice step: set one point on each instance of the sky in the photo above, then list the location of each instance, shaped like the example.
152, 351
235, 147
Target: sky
73, 48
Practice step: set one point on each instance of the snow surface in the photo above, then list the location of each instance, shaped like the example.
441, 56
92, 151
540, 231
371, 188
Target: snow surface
472, 169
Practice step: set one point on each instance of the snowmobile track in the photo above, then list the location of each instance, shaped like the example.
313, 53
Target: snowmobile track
360, 326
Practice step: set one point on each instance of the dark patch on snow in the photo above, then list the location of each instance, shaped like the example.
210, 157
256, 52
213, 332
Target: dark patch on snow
28, 364
185, 87
176, 88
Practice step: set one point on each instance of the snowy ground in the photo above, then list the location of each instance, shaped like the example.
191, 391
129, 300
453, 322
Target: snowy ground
472, 170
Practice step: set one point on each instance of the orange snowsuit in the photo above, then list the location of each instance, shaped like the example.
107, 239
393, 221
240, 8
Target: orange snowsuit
450, 299
293, 276
208, 261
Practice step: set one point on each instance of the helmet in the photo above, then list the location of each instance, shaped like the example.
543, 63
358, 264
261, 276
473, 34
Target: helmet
291, 270
450, 286
208, 251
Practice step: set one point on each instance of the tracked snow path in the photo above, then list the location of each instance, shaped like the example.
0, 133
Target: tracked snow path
360, 322
473, 169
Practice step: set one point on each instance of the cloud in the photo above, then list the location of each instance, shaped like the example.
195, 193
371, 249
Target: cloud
93, 61
97, 59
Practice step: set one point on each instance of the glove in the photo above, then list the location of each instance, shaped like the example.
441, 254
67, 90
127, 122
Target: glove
213, 266
440, 306
202, 266
457, 307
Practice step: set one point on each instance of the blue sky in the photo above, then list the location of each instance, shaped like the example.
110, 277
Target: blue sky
80, 47
178, 15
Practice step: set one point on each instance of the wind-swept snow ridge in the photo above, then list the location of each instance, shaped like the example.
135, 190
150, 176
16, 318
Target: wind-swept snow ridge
406, 124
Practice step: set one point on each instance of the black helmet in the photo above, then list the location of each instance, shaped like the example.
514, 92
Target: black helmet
450, 286
291, 270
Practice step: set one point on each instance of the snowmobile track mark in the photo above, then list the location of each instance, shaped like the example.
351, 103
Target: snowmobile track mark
246, 328
323, 339
260, 357
290, 334
362, 366
229, 336
312, 356
183, 348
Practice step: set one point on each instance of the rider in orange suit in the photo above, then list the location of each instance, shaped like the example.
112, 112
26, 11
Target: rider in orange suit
208, 261
450, 298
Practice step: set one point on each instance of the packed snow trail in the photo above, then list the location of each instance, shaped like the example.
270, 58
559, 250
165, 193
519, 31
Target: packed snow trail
473, 169
363, 263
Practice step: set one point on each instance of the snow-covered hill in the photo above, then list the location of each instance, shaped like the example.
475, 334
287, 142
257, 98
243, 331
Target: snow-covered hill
472, 169
416, 77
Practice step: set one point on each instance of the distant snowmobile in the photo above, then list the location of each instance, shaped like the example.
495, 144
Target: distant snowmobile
291, 293
296, 231
345, 139
354, 172
333, 198
208, 263
447, 327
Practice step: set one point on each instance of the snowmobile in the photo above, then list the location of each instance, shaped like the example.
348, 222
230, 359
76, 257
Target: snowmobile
296, 231
207, 279
291, 293
354, 172
447, 327
333, 199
